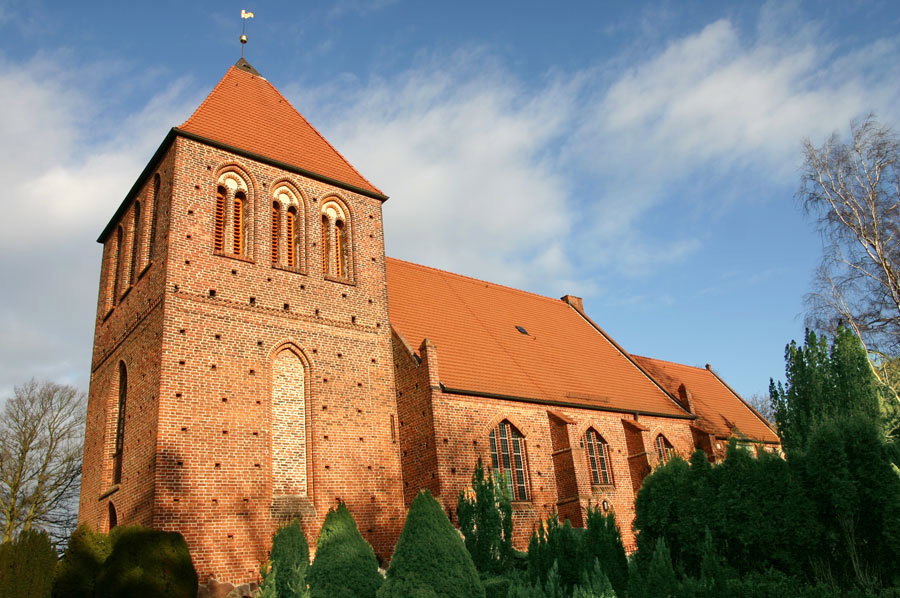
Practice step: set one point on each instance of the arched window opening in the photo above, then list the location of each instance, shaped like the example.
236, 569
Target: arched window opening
120, 423
325, 244
112, 518
508, 457
153, 222
598, 458
340, 268
220, 219
240, 223
289, 473
276, 227
117, 273
664, 449
135, 243
293, 259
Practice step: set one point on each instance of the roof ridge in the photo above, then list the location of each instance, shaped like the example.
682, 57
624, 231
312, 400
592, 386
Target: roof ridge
670, 361
472, 278
322, 137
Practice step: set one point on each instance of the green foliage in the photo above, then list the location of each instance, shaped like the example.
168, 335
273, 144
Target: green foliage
26, 566
601, 544
76, 574
430, 555
345, 563
556, 549
147, 563
486, 521
266, 587
496, 587
823, 383
290, 560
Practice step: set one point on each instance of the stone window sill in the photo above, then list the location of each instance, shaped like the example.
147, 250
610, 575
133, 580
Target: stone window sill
112, 490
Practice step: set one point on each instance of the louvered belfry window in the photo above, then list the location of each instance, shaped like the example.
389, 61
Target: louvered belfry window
339, 266
220, 220
598, 458
326, 250
508, 457
291, 225
120, 423
240, 219
276, 228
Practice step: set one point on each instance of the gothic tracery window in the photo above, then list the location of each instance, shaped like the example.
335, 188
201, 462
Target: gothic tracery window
598, 458
508, 457
664, 449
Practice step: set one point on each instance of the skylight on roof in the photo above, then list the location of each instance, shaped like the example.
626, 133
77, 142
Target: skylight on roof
522, 330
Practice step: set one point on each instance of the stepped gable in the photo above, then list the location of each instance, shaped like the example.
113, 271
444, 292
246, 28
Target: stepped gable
720, 411
245, 112
562, 359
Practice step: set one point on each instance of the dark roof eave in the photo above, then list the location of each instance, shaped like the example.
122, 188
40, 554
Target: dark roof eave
175, 131
491, 395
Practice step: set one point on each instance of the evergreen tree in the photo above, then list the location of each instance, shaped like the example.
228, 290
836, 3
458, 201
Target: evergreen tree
76, 574
601, 544
555, 549
290, 560
485, 521
430, 558
345, 563
26, 566
660, 580
822, 383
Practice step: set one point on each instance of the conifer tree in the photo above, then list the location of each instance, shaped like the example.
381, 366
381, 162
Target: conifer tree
345, 563
485, 520
601, 543
430, 558
77, 572
290, 560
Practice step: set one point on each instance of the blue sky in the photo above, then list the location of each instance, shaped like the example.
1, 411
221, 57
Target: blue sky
643, 156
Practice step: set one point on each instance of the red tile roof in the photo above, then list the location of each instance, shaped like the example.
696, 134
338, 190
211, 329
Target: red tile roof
563, 358
246, 112
718, 408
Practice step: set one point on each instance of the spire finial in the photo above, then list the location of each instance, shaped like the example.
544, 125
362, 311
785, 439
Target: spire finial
244, 16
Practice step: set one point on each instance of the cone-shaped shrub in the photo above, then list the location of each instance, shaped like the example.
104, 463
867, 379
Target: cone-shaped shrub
26, 566
345, 563
76, 574
603, 542
290, 560
146, 563
430, 555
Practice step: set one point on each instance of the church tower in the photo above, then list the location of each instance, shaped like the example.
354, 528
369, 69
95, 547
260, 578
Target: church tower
242, 367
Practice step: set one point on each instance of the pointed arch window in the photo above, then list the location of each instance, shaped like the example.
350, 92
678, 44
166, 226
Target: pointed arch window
220, 219
337, 245
119, 264
508, 457
664, 449
291, 233
135, 243
151, 243
598, 458
120, 423
240, 223
276, 228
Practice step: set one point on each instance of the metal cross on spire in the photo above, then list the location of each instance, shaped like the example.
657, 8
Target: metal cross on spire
244, 16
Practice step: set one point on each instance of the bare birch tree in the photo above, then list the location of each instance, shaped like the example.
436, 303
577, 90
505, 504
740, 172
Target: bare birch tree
852, 189
41, 442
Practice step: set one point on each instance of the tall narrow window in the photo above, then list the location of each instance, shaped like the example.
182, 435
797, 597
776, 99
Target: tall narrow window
240, 207
153, 221
117, 274
664, 449
276, 228
220, 219
508, 457
111, 516
598, 458
291, 226
339, 266
326, 250
135, 243
120, 423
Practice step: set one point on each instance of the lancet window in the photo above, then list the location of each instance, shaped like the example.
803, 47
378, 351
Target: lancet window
508, 457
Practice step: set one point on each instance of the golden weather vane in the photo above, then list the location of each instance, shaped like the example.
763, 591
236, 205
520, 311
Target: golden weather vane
244, 16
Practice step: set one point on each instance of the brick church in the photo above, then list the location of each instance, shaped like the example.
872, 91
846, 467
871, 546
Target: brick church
258, 358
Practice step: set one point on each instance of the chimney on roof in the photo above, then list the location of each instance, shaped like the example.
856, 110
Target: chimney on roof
574, 302
686, 398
